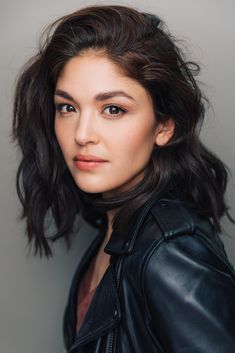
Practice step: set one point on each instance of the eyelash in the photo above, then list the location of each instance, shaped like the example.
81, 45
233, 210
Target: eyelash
60, 106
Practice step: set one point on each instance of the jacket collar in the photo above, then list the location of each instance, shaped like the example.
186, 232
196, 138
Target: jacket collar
124, 243
172, 215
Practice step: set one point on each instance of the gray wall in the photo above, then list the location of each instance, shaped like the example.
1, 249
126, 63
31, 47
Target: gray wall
33, 291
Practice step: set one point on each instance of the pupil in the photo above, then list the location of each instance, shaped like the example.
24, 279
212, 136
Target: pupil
113, 109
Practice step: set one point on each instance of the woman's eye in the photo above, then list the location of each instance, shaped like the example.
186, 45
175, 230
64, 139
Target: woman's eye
114, 110
65, 108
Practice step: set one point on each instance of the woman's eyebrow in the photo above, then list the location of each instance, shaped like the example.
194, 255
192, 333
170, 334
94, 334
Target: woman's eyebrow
99, 97
111, 94
64, 94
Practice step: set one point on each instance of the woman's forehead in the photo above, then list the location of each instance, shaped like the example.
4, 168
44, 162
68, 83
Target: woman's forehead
99, 77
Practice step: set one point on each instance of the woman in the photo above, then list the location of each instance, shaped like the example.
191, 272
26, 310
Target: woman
108, 115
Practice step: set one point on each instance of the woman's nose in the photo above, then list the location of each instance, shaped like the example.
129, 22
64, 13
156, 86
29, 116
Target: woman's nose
86, 131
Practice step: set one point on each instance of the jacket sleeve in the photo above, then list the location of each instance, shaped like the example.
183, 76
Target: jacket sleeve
189, 292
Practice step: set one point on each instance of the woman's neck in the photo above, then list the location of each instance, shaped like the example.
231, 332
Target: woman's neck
110, 215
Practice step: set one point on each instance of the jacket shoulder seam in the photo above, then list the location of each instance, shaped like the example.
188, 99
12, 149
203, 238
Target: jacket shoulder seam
179, 220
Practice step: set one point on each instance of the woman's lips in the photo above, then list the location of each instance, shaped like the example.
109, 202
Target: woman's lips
88, 161
88, 158
86, 165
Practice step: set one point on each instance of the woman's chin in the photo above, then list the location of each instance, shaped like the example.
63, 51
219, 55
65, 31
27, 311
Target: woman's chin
91, 189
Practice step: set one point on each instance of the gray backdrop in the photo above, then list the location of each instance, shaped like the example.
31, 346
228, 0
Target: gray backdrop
33, 291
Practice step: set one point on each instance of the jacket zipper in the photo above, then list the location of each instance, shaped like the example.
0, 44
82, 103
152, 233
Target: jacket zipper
114, 330
111, 342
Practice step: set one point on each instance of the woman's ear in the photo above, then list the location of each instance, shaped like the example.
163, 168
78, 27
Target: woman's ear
165, 132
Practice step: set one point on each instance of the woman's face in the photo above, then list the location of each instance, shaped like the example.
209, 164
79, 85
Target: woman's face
91, 119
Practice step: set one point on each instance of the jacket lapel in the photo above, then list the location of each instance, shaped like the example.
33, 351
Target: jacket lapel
99, 321
96, 322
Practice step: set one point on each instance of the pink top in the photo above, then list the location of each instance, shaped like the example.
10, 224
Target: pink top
84, 295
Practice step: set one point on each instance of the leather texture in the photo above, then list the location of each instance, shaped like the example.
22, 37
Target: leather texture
169, 288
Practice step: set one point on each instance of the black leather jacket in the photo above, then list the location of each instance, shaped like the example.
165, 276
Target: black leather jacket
169, 288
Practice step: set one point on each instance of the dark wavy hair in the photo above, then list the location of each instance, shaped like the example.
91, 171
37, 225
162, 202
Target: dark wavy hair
140, 44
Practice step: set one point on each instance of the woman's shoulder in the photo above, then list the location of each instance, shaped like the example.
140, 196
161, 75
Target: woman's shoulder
172, 232
186, 278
